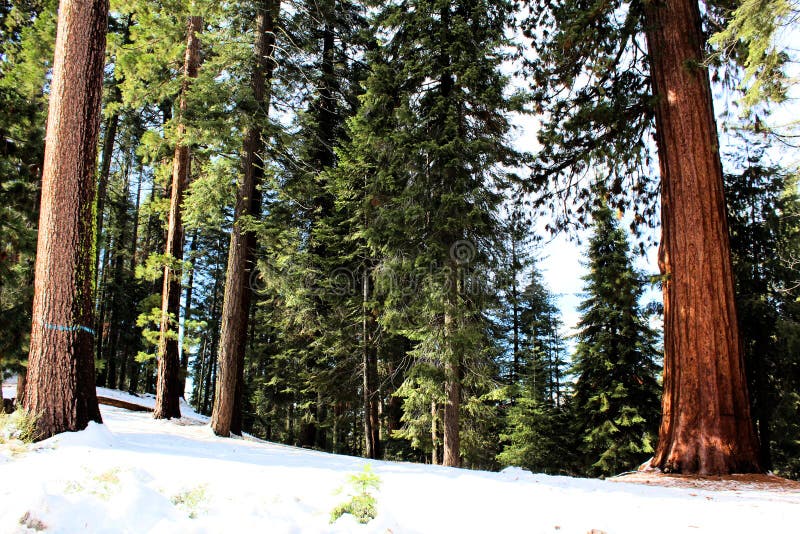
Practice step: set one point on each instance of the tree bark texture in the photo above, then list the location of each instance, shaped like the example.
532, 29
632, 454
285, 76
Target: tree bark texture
706, 426
168, 380
372, 425
452, 386
60, 380
241, 255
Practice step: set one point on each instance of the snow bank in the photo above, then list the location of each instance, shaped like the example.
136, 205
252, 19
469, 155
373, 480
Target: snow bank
134, 474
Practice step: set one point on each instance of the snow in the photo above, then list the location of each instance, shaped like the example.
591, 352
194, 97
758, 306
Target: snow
135, 474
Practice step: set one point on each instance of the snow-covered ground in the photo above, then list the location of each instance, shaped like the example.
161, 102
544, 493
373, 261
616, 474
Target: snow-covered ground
135, 474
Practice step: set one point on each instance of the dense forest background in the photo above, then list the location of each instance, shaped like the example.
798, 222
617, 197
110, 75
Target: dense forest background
390, 301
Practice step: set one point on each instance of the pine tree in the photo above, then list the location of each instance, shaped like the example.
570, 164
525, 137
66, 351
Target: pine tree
751, 38
432, 182
536, 433
168, 380
616, 400
762, 209
27, 37
60, 382
241, 255
303, 234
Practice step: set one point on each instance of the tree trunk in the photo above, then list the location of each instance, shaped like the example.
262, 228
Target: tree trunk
22, 382
127, 352
109, 138
105, 172
168, 382
452, 455
241, 255
60, 382
187, 314
706, 426
434, 435
372, 441
100, 318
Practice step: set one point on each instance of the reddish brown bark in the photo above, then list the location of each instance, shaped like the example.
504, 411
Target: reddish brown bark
706, 426
60, 379
241, 255
168, 380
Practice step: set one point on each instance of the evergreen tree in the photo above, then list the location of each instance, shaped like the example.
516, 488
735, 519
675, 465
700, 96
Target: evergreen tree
616, 400
763, 209
27, 37
536, 433
751, 36
609, 75
308, 268
429, 138
241, 257
60, 385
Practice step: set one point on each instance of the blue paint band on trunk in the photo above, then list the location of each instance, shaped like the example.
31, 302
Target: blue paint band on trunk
76, 328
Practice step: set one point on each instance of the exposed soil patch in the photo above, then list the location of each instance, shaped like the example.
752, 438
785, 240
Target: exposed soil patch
715, 483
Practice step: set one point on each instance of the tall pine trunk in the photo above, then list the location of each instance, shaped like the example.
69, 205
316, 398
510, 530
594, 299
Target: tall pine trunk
451, 444
187, 312
241, 255
60, 381
706, 426
372, 441
168, 381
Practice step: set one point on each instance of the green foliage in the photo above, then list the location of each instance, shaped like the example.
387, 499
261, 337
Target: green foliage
752, 37
590, 81
362, 504
536, 434
616, 402
420, 390
763, 211
422, 178
19, 425
27, 33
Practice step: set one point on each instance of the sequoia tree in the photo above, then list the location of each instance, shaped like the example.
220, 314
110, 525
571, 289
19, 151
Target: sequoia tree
241, 255
168, 391
604, 94
706, 426
60, 382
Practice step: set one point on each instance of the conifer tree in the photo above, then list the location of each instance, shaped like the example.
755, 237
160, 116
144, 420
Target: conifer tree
168, 379
616, 400
763, 209
609, 76
536, 433
60, 382
303, 234
433, 180
241, 255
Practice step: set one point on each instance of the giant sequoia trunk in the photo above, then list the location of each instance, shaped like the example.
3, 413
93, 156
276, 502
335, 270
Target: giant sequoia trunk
60, 381
241, 255
706, 426
168, 381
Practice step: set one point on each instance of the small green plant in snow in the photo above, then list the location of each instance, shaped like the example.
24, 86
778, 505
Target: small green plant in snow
362, 505
19, 425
